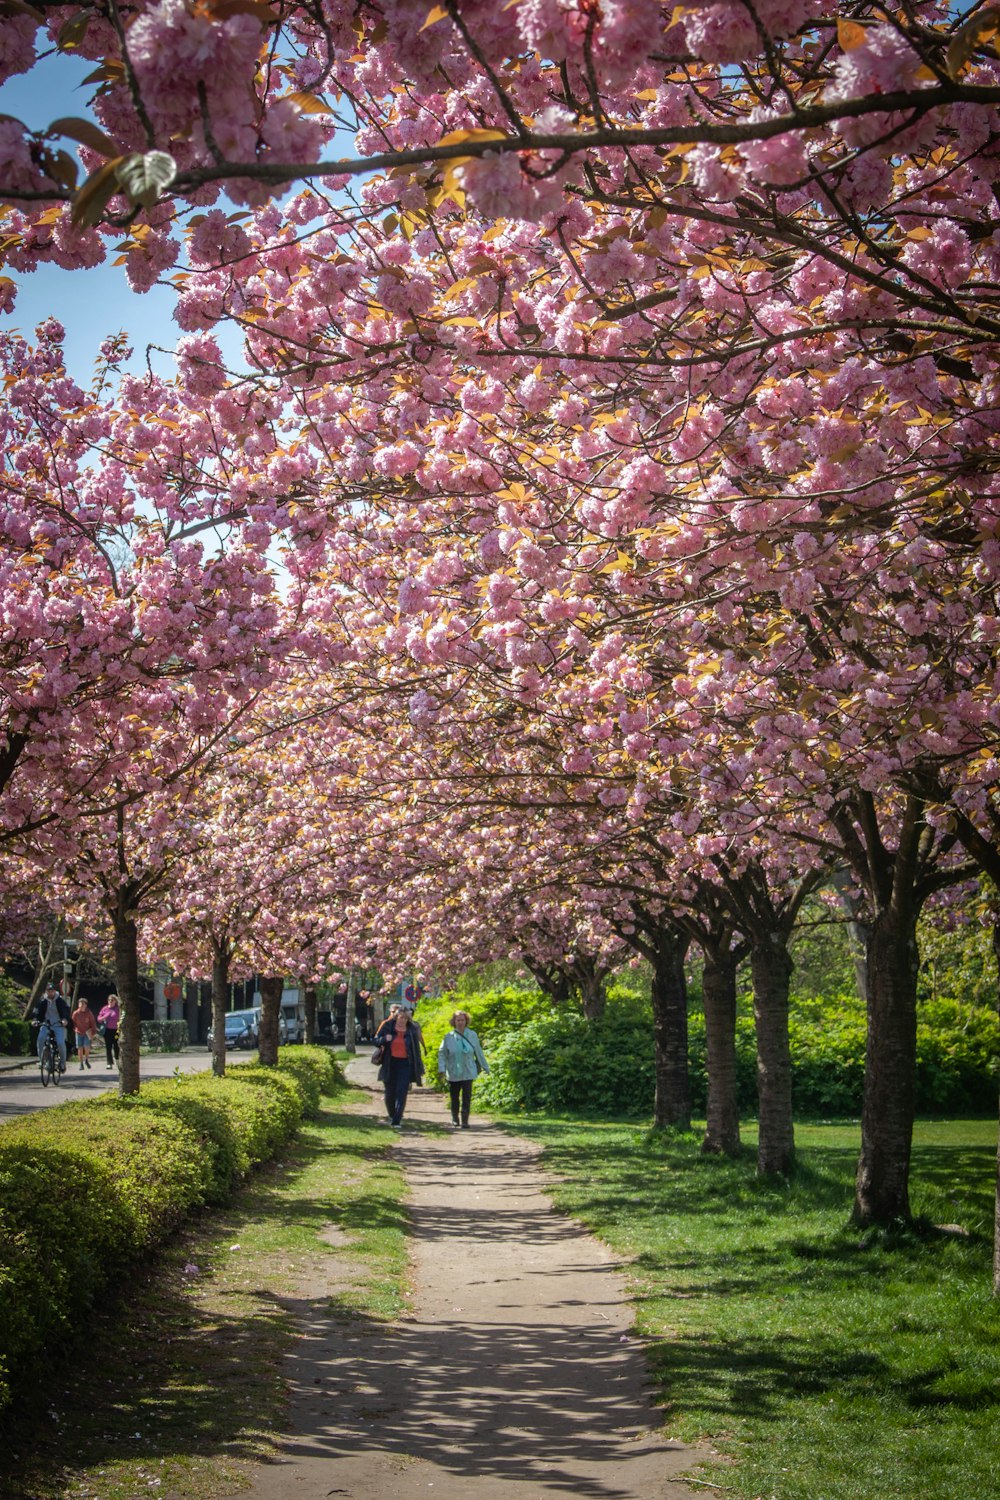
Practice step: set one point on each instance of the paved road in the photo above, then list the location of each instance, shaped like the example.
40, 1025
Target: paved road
21, 1090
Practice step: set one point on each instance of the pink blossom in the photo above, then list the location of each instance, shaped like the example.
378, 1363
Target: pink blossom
17, 46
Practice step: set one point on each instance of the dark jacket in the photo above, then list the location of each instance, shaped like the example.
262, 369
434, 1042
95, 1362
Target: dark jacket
414, 1041
42, 1005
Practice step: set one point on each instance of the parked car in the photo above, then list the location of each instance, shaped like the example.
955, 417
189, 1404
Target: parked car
241, 1030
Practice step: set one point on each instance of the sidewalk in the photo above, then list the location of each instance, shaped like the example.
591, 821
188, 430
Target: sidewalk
10, 1064
513, 1374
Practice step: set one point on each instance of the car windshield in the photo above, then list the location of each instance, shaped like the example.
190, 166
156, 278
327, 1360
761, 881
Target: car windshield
237, 1023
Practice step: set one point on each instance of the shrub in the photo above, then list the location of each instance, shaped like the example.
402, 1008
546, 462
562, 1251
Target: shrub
315, 1070
86, 1188
83, 1189
164, 1036
559, 1062
15, 1036
553, 1060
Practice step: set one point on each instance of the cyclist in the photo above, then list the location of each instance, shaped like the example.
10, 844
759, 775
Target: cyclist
53, 1009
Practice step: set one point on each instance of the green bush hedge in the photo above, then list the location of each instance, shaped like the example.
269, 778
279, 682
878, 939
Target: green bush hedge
87, 1187
15, 1037
556, 1061
164, 1036
315, 1070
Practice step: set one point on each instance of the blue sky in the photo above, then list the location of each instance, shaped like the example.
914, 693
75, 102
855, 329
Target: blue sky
90, 304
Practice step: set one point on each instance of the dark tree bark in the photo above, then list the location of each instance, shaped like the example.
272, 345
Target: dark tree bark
897, 881
664, 944
672, 1100
767, 912
771, 967
309, 997
126, 940
722, 1124
222, 953
589, 977
270, 999
551, 980
882, 1183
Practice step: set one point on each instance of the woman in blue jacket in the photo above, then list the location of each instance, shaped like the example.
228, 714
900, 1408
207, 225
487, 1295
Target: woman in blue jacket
461, 1060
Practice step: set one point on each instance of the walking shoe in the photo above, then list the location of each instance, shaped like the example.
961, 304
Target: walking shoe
465, 1124
109, 1067
81, 1067
455, 1124
396, 1124
87, 1061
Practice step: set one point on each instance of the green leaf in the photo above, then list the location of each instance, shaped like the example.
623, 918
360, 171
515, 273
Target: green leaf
146, 176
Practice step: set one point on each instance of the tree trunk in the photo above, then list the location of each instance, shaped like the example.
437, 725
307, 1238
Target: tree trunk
550, 980
309, 998
590, 984
127, 984
672, 1100
722, 1126
221, 955
351, 1013
270, 1000
771, 966
881, 1191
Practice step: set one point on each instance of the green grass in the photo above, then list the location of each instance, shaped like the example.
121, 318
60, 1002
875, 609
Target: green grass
823, 1363
180, 1388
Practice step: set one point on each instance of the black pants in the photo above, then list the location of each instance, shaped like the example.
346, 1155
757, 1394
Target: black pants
398, 1077
111, 1044
461, 1090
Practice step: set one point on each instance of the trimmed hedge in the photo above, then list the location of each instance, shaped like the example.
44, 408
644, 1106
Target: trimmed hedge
556, 1061
164, 1036
15, 1037
86, 1188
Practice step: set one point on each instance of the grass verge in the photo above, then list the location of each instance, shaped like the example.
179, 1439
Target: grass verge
824, 1364
180, 1387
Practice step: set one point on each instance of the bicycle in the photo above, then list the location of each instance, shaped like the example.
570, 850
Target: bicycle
49, 1060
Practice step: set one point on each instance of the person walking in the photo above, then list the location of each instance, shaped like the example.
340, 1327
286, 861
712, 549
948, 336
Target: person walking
85, 1027
109, 1016
402, 1059
52, 1008
461, 1060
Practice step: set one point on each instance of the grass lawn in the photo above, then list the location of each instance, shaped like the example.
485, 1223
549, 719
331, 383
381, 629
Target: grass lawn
824, 1363
178, 1385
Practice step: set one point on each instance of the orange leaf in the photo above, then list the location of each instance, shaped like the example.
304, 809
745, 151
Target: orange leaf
850, 35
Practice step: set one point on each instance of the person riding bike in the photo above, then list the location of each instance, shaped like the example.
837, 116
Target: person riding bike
52, 1008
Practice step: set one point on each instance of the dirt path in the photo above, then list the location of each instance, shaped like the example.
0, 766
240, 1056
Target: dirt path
512, 1378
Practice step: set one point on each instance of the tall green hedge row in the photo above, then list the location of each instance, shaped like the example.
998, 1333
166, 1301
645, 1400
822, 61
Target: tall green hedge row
15, 1037
555, 1060
86, 1188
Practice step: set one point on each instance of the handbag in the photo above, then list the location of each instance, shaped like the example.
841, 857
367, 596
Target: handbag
376, 1057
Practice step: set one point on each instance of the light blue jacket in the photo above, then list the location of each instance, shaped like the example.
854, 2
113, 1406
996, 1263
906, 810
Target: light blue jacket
458, 1055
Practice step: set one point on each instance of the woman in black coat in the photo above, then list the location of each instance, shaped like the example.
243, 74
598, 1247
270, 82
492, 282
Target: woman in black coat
402, 1060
